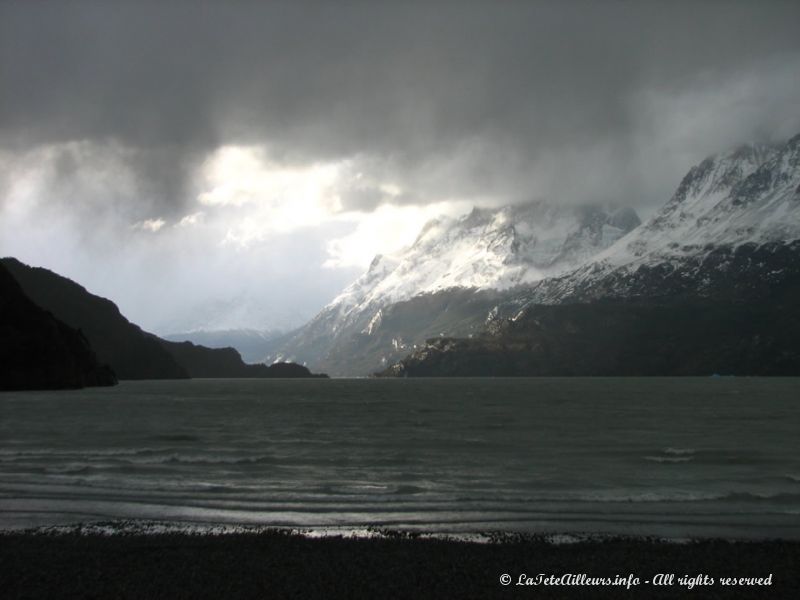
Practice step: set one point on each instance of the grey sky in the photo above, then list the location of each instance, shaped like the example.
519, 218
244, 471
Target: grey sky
112, 116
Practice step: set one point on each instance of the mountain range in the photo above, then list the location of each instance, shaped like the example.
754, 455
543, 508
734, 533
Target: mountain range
728, 235
449, 279
103, 335
709, 284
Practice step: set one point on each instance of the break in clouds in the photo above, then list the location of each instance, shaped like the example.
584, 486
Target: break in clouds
236, 166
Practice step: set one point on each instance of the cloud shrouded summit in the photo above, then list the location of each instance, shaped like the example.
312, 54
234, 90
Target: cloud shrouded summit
201, 147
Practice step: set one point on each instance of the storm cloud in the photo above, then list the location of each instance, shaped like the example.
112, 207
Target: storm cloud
420, 105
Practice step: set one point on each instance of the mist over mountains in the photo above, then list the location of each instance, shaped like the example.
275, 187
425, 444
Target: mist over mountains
252, 344
726, 235
710, 284
237, 166
396, 303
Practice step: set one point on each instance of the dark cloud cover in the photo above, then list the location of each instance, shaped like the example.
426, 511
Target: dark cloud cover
403, 81
499, 102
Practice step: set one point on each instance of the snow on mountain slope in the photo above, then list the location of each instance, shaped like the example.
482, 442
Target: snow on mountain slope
485, 250
750, 196
710, 284
712, 205
731, 231
489, 249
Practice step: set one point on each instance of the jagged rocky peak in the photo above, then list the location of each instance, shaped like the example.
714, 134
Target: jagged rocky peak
777, 174
722, 172
706, 242
709, 284
746, 195
710, 181
490, 249
726, 209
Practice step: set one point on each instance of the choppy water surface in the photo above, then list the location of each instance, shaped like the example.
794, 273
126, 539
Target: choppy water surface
674, 457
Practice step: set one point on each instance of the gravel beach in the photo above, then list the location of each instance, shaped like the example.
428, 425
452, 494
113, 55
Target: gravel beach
277, 564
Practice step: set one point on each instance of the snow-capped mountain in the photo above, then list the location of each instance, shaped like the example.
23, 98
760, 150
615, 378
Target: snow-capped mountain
730, 232
484, 250
710, 284
489, 249
731, 207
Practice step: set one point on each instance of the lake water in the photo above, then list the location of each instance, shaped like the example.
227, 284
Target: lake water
668, 457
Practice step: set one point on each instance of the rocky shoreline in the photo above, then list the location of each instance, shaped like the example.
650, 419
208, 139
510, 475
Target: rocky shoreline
242, 563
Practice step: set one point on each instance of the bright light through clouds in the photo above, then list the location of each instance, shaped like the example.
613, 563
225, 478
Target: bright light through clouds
247, 220
387, 229
242, 198
262, 197
243, 169
252, 197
